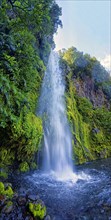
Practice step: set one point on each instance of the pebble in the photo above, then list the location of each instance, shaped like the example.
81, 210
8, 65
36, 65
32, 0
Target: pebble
7, 184
19, 216
2, 200
21, 200
33, 197
102, 211
29, 218
15, 196
22, 192
7, 210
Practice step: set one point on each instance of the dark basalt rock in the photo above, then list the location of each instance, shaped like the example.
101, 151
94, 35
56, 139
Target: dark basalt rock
7, 184
17, 206
33, 197
2, 200
22, 192
8, 208
21, 200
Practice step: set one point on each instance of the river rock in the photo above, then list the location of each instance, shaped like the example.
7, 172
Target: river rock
102, 211
8, 208
29, 218
21, 200
7, 184
47, 217
22, 191
33, 197
15, 196
19, 217
2, 200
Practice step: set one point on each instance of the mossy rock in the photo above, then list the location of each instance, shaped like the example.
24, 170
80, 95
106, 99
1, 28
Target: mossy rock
8, 207
7, 157
37, 210
24, 167
33, 166
3, 174
9, 203
2, 188
8, 191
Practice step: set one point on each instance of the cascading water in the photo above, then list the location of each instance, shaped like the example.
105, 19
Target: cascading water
57, 151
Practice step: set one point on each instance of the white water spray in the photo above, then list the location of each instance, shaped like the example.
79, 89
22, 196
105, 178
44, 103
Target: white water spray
57, 154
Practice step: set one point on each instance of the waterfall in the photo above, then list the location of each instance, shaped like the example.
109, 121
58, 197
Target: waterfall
57, 152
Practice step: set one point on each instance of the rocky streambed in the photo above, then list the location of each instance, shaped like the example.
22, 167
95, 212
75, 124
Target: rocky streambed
20, 205
88, 197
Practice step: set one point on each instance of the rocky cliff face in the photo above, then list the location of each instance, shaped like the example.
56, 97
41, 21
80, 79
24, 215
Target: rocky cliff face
88, 97
86, 88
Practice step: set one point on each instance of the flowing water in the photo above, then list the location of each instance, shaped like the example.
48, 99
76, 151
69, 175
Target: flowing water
89, 198
57, 153
84, 195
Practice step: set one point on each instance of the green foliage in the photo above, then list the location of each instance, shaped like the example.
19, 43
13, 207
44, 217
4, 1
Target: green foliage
26, 36
2, 189
106, 87
102, 138
79, 128
91, 127
3, 174
29, 127
83, 66
24, 167
7, 156
8, 191
37, 210
33, 166
85, 108
9, 203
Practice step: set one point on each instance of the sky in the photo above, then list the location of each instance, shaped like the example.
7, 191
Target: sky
86, 26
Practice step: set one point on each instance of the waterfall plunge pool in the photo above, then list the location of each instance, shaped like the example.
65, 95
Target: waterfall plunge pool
86, 198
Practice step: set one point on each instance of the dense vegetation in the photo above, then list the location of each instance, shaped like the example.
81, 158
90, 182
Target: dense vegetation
90, 119
26, 36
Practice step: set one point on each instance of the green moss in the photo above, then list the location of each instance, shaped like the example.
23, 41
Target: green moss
3, 174
24, 167
7, 157
79, 128
2, 188
37, 210
8, 191
33, 166
25, 46
9, 203
90, 127
30, 128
